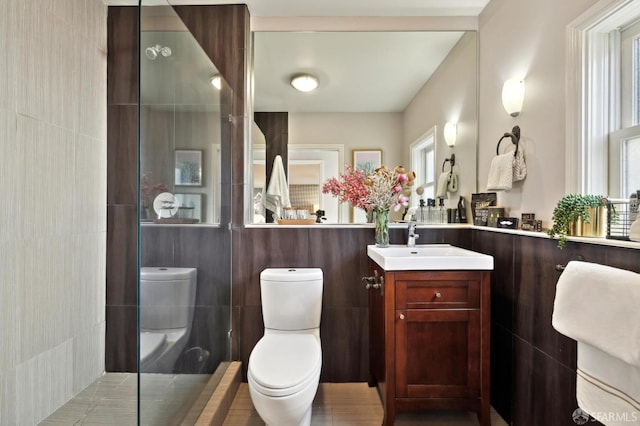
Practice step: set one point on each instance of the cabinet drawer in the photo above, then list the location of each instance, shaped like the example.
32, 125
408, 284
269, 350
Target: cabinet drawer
438, 294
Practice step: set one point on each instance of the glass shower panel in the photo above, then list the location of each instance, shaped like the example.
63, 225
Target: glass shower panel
185, 241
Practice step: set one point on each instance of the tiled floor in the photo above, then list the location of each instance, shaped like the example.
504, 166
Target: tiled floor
352, 404
111, 400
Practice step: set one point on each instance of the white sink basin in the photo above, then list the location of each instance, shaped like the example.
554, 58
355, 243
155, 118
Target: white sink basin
428, 257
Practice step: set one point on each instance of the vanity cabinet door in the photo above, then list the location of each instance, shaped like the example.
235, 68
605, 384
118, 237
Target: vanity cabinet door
437, 353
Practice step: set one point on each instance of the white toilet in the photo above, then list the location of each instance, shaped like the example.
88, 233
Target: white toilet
284, 366
167, 299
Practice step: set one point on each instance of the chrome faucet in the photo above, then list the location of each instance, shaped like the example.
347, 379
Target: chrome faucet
411, 239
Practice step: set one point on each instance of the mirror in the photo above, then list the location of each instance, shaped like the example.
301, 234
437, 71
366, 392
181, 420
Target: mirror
377, 90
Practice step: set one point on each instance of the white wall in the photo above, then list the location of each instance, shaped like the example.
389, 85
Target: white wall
53, 198
449, 95
526, 38
354, 130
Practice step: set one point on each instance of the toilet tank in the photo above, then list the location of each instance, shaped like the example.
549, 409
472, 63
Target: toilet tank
167, 297
291, 298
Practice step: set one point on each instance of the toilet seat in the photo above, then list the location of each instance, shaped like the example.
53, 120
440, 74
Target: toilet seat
284, 364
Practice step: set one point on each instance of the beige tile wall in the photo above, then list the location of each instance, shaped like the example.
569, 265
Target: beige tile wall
52, 203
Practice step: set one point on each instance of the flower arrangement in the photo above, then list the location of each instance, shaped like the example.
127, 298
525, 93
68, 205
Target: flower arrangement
376, 192
382, 189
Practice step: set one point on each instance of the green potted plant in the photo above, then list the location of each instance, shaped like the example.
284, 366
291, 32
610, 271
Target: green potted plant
573, 215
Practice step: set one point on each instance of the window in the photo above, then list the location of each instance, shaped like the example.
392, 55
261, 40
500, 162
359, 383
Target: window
603, 105
423, 160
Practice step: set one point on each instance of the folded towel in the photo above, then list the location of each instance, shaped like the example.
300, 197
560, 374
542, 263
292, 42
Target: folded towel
598, 305
276, 197
500, 173
453, 182
443, 181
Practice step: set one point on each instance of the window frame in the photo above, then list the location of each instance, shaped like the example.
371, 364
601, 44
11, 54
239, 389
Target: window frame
593, 105
426, 140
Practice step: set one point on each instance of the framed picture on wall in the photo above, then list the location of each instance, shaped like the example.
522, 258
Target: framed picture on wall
188, 167
367, 160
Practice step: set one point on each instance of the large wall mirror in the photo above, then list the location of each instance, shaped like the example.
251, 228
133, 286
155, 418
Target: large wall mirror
378, 90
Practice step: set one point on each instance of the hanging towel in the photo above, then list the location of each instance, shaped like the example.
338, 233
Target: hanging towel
276, 197
452, 186
519, 166
500, 172
443, 181
598, 305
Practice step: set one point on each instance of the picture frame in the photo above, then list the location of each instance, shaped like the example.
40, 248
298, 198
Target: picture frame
188, 167
190, 206
367, 160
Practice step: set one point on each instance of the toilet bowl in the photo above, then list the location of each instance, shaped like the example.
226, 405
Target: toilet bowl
167, 299
284, 366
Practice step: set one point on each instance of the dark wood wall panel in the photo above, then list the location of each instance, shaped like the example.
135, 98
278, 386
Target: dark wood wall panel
533, 366
122, 189
122, 59
275, 127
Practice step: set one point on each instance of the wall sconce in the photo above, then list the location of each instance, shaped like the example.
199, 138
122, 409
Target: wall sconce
304, 82
216, 81
450, 133
513, 96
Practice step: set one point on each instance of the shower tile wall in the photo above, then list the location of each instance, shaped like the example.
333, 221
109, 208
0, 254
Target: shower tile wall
52, 187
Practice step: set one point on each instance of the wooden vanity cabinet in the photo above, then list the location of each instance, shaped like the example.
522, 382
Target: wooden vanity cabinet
429, 341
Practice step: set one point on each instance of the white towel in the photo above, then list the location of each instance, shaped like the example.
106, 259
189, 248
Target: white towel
276, 197
452, 186
500, 173
443, 181
598, 305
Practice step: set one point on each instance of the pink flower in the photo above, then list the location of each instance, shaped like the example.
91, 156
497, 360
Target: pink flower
378, 190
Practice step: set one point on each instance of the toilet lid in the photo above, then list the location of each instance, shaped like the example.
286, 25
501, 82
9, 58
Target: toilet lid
280, 361
150, 343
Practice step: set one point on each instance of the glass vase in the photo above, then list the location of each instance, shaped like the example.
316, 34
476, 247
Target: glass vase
382, 227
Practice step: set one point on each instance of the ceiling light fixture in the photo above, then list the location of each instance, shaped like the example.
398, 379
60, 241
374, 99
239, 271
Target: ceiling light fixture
216, 81
304, 82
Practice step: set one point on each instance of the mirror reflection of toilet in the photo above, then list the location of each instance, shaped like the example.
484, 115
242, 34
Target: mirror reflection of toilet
284, 366
167, 299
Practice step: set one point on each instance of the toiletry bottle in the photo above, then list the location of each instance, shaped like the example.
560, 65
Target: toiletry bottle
442, 212
421, 214
462, 211
431, 207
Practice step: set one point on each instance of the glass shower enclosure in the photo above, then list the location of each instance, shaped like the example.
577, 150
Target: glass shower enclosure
184, 291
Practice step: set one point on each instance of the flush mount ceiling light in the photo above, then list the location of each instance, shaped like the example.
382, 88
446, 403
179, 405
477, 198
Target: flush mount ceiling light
216, 81
304, 82
513, 96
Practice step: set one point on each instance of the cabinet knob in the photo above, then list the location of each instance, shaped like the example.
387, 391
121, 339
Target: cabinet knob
438, 295
401, 316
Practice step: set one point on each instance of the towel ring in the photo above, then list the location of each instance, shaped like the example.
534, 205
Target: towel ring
451, 160
515, 139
